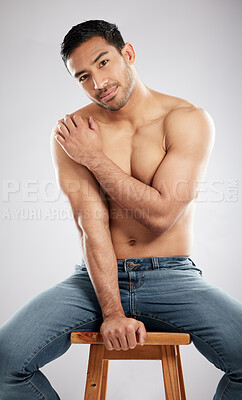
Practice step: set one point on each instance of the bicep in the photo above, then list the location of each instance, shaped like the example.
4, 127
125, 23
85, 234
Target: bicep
79, 185
190, 138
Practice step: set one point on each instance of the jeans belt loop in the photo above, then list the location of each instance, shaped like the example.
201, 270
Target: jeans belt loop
125, 265
155, 263
192, 261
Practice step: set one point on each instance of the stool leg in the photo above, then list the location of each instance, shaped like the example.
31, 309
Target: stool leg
180, 374
104, 380
170, 373
94, 372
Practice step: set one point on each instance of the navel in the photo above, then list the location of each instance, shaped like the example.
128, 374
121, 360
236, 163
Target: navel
132, 242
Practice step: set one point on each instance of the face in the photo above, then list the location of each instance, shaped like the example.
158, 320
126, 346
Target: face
105, 75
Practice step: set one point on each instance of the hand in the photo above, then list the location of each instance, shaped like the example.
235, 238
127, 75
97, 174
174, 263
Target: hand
118, 332
80, 142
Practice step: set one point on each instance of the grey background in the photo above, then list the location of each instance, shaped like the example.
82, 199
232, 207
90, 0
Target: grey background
190, 49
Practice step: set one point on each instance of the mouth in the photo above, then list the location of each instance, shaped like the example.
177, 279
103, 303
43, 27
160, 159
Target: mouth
109, 93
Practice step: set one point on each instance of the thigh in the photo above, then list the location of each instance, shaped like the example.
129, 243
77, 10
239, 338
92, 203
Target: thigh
182, 300
40, 330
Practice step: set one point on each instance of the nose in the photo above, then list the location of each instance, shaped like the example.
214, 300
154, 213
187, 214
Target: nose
99, 82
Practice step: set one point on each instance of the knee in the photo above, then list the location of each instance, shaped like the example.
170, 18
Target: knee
11, 351
5, 350
231, 351
234, 350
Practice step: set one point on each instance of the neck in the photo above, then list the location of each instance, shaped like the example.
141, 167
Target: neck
135, 106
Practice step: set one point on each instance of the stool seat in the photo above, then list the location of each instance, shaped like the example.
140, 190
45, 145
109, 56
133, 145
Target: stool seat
162, 346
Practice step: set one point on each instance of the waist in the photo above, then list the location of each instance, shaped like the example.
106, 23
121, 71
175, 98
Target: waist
175, 242
149, 263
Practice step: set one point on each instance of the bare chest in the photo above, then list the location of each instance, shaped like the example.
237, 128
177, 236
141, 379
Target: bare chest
137, 152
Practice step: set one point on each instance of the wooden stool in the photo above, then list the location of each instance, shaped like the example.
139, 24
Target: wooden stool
162, 346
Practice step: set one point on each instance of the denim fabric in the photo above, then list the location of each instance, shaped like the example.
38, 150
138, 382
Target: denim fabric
165, 293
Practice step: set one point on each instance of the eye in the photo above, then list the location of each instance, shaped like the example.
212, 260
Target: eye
82, 78
103, 62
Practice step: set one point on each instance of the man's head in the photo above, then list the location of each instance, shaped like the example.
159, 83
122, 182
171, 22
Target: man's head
95, 53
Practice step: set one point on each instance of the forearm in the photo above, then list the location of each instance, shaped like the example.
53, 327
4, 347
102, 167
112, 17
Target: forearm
141, 201
101, 262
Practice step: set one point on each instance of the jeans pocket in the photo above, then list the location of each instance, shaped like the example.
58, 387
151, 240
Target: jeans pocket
184, 269
162, 267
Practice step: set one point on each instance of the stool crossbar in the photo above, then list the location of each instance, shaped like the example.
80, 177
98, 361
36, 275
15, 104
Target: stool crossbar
162, 346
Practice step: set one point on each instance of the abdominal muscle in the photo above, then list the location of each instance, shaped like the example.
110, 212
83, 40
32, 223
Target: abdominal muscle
131, 239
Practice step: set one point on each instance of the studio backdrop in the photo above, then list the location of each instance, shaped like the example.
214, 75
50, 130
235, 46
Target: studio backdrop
186, 48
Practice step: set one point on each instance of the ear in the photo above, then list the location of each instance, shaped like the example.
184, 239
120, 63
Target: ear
129, 53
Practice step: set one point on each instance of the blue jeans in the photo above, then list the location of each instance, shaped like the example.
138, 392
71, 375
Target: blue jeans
165, 293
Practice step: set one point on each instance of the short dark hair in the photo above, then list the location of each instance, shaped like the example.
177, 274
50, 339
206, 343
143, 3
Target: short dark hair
86, 30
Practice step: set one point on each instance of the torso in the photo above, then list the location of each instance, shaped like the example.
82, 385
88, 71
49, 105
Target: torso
138, 151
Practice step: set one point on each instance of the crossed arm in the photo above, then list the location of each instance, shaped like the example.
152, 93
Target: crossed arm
189, 142
91, 215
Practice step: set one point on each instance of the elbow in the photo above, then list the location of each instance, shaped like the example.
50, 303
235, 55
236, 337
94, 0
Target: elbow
160, 226
91, 219
163, 223
93, 230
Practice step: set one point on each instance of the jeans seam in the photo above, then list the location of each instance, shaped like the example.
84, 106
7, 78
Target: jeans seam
226, 387
132, 299
51, 341
141, 282
130, 295
39, 392
162, 320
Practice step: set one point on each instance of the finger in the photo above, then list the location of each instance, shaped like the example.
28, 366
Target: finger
78, 120
69, 122
116, 343
131, 338
123, 342
61, 127
141, 332
93, 124
55, 128
108, 344
59, 138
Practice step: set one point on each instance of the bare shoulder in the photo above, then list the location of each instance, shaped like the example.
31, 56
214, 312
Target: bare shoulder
174, 107
66, 169
84, 112
188, 112
187, 122
57, 152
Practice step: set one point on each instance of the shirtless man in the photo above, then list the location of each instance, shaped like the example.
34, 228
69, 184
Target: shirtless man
130, 164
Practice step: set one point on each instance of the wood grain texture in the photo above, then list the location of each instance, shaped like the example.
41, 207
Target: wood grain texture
161, 346
180, 374
170, 373
94, 373
152, 338
104, 380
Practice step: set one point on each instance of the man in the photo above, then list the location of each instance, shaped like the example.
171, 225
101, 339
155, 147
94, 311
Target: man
130, 164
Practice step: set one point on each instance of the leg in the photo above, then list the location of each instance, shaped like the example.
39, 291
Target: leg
176, 299
180, 373
94, 372
39, 332
104, 380
170, 373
